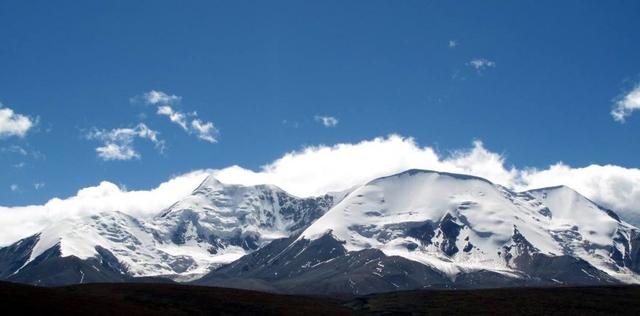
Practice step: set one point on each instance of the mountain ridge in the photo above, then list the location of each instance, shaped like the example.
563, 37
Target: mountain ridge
445, 230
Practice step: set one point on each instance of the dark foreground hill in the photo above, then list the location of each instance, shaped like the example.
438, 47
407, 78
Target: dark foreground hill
157, 299
623, 300
173, 299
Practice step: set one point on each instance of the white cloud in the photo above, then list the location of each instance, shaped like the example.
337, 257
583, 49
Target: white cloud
453, 43
188, 121
203, 130
327, 121
319, 169
118, 143
38, 185
175, 117
14, 188
14, 124
159, 97
19, 165
23, 221
625, 105
481, 63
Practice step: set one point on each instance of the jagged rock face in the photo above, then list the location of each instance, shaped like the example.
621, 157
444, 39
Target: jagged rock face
15, 256
323, 266
448, 231
634, 254
218, 216
51, 269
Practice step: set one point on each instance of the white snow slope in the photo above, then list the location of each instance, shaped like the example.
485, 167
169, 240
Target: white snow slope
556, 221
216, 224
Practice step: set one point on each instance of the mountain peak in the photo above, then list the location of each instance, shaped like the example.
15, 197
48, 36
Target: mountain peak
556, 188
413, 172
209, 182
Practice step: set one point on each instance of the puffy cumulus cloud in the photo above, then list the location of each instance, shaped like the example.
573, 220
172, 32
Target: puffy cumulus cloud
118, 142
626, 105
23, 221
14, 124
327, 121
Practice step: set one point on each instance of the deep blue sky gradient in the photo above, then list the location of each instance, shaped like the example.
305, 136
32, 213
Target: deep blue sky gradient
380, 67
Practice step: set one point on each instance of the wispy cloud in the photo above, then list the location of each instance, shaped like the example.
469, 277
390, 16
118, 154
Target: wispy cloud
14, 149
118, 143
481, 63
23, 151
204, 130
158, 97
38, 185
14, 124
327, 121
14, 188
188, 121
174, 116
626, 105
453, 43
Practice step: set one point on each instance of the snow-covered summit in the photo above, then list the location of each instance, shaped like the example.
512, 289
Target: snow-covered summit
458, 223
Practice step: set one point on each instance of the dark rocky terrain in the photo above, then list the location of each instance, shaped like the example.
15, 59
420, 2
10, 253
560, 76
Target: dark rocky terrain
172, 299
561, 301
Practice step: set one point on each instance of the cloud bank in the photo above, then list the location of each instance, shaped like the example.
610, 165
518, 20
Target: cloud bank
22, 221
319, 169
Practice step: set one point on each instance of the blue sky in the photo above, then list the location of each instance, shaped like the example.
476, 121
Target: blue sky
534, 80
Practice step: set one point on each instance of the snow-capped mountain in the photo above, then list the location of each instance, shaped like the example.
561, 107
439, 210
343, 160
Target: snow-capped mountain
449, 230
220, 223
411, 230
216, 224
